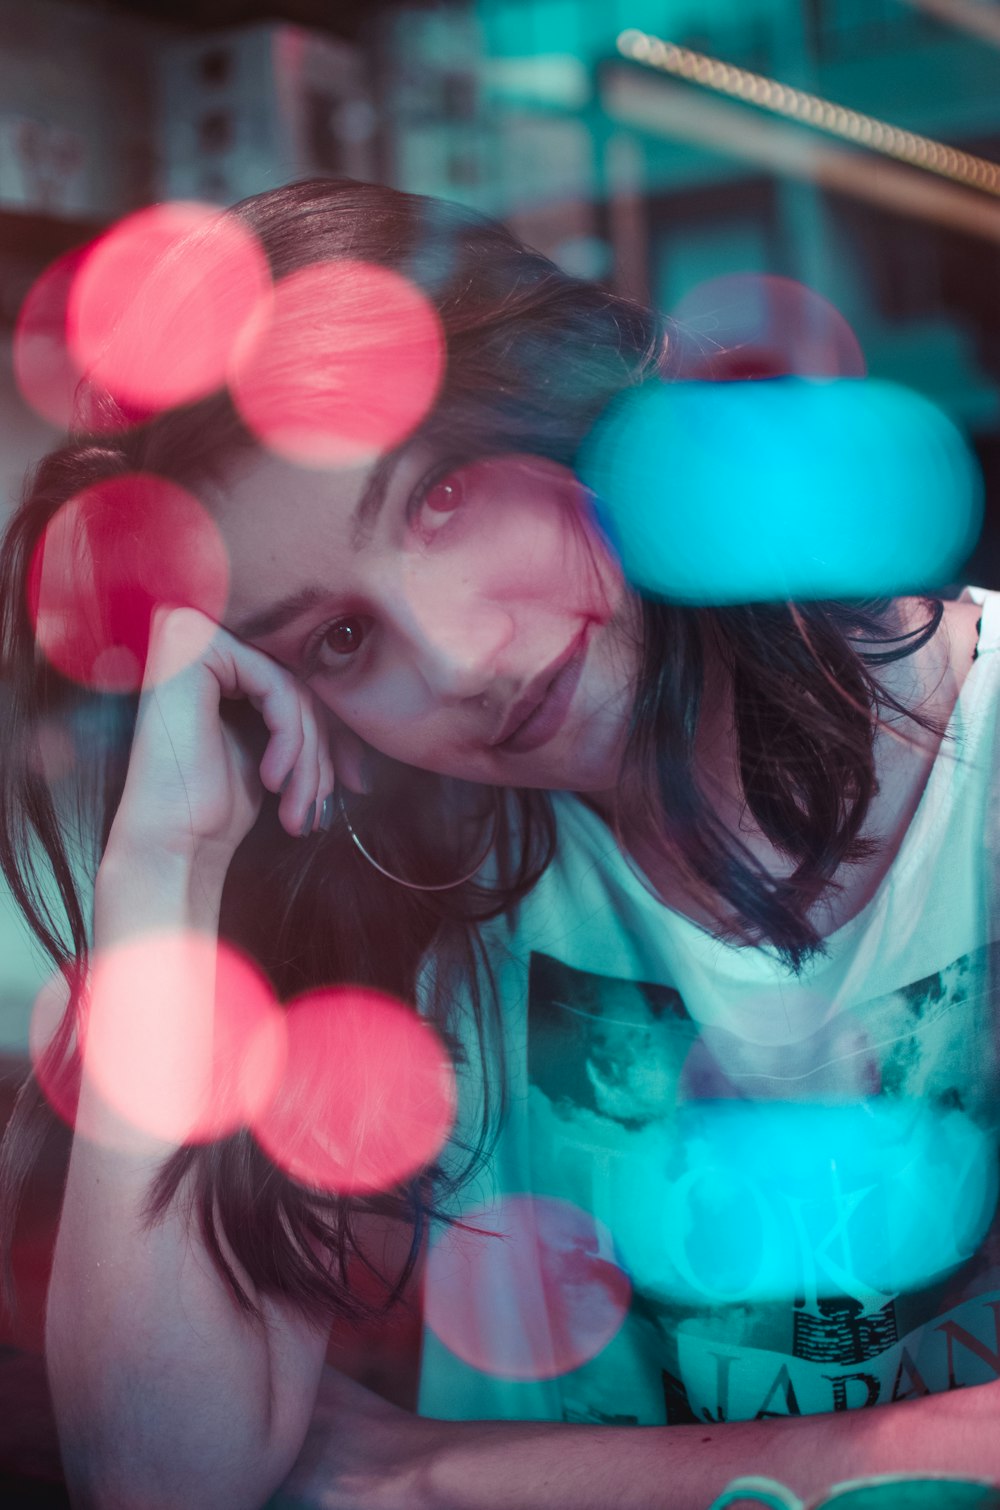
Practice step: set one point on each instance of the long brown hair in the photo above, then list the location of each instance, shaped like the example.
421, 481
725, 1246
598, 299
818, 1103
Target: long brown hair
533, 357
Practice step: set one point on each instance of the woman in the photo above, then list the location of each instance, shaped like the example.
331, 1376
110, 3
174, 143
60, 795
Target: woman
692, 884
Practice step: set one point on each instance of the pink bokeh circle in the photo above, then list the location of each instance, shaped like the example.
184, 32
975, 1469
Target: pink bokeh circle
183, 1038
758, 325
527, 1289
178, 1034
158, 302
340, 363
368, 1094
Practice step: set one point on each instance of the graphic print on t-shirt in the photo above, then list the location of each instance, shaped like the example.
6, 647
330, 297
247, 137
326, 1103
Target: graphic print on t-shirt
807, 1224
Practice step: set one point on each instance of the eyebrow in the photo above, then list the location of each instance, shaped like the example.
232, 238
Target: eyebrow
369, 505
257, 626
277, 616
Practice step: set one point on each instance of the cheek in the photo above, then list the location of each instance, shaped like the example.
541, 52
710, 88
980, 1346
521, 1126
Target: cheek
385, 715
545, 551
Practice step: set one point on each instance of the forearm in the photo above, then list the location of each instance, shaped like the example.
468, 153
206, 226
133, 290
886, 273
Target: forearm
499, 1465
162, 1388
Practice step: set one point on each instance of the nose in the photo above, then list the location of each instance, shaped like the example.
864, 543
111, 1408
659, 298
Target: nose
456, 638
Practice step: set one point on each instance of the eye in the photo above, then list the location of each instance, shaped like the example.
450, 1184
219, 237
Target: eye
339, 640
440, 499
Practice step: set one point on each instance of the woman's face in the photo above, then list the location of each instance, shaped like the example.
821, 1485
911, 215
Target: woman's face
464, 618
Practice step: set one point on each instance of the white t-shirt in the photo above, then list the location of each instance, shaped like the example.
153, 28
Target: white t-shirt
724, 1192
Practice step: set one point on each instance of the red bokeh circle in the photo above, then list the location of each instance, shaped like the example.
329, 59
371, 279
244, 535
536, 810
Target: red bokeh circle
107, 558
368, 1094
340, 363
158, 302
535, 1292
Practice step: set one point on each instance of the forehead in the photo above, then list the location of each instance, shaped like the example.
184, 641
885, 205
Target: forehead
283, 526
264, 494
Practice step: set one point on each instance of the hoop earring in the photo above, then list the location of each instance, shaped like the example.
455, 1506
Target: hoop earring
414, 885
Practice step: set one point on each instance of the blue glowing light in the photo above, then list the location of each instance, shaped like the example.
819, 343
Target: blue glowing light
765, 1200
786, 488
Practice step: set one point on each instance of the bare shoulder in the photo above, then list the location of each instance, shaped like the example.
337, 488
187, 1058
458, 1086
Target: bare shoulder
932, 678
929, 682
960, 626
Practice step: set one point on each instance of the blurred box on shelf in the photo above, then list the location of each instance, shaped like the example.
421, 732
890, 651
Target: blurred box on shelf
43, 167
441, 132
452, 162
247, 109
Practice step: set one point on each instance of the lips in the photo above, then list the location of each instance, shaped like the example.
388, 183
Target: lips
540, 713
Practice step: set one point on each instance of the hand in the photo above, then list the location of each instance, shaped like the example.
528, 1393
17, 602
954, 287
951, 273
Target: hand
360, 1453
195, 780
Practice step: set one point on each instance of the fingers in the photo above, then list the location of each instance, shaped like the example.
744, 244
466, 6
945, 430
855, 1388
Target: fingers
296, 764
302, 797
